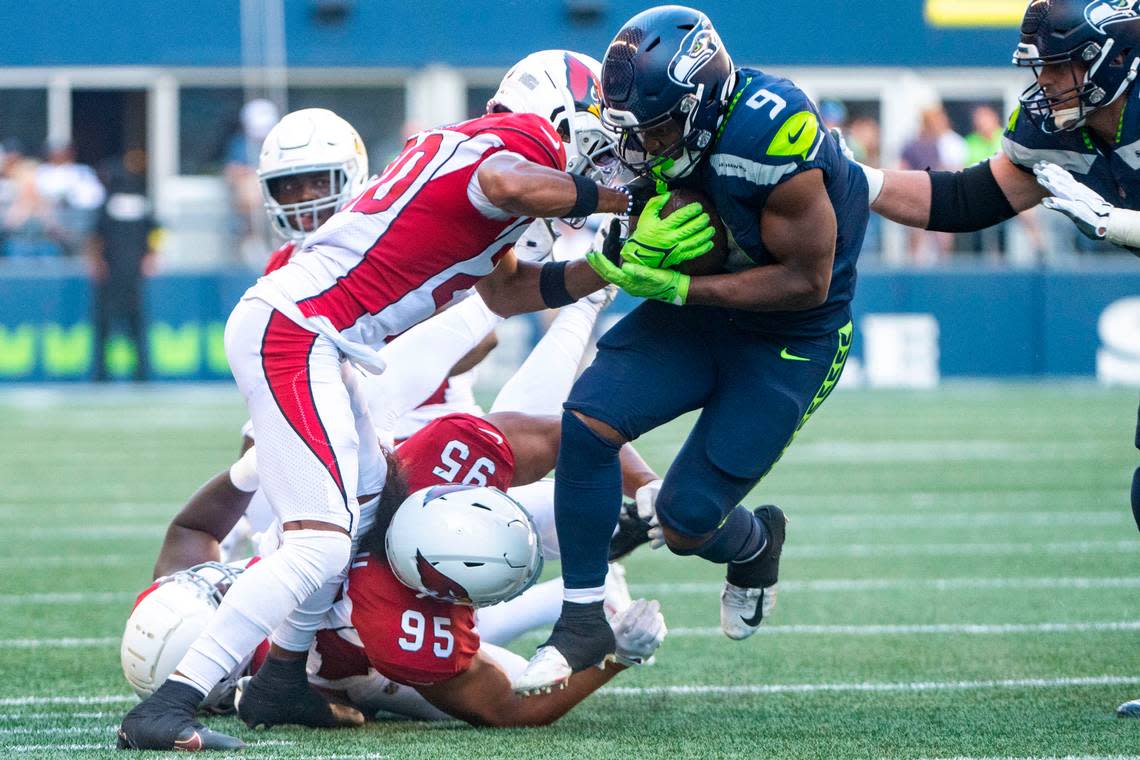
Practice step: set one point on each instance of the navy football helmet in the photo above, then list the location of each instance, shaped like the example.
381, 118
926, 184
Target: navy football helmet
666, 79
1101, 37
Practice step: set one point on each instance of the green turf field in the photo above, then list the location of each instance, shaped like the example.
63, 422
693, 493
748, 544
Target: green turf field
961, 579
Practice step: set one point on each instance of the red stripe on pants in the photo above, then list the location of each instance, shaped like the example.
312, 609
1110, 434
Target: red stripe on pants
285, 351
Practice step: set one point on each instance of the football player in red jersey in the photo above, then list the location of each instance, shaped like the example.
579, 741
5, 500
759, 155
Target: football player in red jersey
368, 640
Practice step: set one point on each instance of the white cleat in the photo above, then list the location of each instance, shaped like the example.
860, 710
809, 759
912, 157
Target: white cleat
546, 671
743, 609
1129, 709
617, 597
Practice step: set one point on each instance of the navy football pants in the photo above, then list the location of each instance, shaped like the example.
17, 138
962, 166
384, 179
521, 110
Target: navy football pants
755, 391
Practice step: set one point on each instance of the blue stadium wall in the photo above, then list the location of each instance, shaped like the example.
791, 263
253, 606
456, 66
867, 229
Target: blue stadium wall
992, 324
477, 33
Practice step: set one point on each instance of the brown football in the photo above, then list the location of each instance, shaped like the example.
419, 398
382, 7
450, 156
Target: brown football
713, 261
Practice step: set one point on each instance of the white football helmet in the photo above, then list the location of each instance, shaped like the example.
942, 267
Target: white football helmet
564, 87
464, 544
306, 141
167, 620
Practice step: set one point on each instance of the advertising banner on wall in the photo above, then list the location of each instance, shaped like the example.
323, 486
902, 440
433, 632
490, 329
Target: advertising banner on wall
914, 328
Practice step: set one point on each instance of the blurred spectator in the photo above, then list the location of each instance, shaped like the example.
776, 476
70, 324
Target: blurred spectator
24, 216
937, 146
985, 141
257, 118
863, 137
73, 195
120, 257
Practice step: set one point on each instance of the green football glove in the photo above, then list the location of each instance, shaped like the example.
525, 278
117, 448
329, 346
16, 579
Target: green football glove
662, 243
637, 280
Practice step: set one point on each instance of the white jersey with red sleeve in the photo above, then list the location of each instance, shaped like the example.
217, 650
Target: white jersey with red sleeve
422, 232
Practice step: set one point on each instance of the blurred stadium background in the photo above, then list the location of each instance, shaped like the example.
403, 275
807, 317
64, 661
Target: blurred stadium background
197, 85
961, 572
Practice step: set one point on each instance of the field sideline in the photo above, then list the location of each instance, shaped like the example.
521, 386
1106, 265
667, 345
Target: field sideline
960, 581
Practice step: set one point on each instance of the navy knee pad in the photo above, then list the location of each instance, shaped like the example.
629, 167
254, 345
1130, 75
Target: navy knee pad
690, 512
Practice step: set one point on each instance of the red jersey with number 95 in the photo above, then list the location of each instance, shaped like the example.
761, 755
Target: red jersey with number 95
408, 638
422, 232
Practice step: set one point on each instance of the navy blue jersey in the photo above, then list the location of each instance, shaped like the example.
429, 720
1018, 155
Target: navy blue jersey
772, 133
1111, 170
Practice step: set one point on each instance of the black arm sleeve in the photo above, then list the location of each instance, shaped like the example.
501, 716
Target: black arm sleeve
967, 201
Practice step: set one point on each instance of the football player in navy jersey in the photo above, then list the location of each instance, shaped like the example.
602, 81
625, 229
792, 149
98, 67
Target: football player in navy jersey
1073, 145
757, 348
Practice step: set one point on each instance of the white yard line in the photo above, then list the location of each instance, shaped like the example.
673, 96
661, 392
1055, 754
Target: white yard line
59, 715
906, 686
54, 730
828, 551
973, 629
57, 643
884, 521
79, 561
716, 689
969, 629
858, 452
822, 585
803, 551
69, 597
81, 699
21, 748
895, 584
876, 520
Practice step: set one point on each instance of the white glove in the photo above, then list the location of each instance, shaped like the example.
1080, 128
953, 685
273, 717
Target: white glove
646, 500
844, 148
639, 630
1084, 206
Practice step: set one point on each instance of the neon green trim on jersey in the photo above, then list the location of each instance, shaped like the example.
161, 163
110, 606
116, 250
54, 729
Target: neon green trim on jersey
846, 333
796, 137
732, 107
1013, 117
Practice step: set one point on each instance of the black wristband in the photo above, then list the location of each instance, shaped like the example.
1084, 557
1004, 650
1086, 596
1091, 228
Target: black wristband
967, 201
586, 202
552, 285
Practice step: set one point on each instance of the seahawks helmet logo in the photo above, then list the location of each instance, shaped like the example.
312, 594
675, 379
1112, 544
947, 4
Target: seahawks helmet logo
1104, 12
697, 49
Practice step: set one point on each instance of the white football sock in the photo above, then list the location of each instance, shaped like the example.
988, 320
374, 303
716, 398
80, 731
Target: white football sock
584, 595
299, 630
537, 607
260, 600
542, 383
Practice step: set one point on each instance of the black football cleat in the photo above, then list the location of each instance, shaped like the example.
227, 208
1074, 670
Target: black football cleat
581, 639
632, 532
750, 587
165, 721
280, 694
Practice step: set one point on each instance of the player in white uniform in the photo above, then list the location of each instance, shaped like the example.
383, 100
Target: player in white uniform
441, 218
156, 634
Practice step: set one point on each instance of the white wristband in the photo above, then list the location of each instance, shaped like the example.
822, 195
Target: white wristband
875, 180
243, 472
1123, 228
